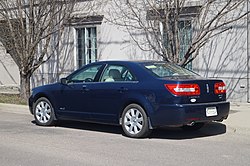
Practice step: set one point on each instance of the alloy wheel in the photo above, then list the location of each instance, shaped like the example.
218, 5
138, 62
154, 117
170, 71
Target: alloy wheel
133, 121
43, 112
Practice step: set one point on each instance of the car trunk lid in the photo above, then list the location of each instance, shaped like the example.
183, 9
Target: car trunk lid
196, 90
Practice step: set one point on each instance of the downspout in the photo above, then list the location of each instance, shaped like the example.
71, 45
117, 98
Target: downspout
248, 56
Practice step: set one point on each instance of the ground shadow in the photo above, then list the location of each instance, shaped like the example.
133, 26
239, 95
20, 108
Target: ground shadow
105, 128
211, 129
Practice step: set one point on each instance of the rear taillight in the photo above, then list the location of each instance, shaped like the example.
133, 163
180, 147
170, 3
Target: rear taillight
183, 89
219, 88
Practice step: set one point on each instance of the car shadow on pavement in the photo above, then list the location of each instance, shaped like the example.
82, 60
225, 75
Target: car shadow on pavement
210, 129
90, 126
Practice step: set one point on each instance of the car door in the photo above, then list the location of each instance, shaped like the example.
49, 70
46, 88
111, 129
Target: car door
75, 93
107, 96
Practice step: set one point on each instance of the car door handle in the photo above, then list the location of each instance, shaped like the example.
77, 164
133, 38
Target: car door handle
85, 88
123, 89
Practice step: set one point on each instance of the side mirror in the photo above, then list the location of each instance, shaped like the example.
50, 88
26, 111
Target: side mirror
64, 81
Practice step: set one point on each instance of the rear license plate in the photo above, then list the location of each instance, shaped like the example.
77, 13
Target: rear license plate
211, 111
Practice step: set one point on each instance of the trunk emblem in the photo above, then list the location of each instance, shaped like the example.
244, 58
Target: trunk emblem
193, 100
207, 88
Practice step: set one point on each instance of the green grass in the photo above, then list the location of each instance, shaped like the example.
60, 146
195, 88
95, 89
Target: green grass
12, 99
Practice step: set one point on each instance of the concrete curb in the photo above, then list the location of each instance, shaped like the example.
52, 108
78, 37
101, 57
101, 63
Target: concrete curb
239, 106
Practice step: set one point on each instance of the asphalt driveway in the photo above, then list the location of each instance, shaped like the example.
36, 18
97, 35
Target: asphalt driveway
73, 143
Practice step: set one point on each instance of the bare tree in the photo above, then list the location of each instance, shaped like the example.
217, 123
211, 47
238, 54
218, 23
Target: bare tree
175, 29
29, 31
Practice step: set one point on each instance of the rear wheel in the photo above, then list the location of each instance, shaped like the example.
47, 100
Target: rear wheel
43, 112
194, 127
135, 122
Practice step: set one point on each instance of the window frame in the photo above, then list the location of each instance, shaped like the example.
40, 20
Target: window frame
87, 56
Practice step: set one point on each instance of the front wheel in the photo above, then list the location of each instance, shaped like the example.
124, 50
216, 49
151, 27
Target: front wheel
135, 122
43, 112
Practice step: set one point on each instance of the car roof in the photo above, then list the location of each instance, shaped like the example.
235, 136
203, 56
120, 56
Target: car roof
130, 62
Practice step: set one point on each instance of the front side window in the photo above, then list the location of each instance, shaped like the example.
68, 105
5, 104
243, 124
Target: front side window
86, 45
85, 75
114, 73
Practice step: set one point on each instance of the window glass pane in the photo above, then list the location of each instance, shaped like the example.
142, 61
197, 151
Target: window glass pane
128, 76
81, 47
86, 75
167, 70
117, 73
86, 46
185, 37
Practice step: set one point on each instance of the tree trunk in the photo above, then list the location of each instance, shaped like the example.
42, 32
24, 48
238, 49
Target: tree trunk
24, 86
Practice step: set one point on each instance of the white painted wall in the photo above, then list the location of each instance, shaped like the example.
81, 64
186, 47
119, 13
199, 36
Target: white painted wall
9, 74
223, 57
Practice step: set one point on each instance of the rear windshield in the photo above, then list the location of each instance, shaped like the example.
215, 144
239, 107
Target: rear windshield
163, 69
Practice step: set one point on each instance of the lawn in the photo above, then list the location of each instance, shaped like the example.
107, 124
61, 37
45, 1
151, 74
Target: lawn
12, 99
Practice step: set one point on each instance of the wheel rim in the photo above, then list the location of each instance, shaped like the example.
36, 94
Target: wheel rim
43, 112
133, 121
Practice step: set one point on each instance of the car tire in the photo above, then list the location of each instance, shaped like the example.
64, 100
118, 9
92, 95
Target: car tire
43, 112
135, 122
195, 127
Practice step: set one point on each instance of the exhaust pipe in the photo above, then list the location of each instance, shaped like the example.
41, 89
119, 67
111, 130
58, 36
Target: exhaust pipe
191, 123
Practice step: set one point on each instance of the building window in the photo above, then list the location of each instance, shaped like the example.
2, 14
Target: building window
185, 29
185, 38
86, 45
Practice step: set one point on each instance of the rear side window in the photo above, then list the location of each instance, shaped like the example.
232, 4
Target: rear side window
117, 73
167, 70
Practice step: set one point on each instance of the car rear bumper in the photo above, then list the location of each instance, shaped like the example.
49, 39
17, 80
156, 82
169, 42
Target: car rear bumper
183, 114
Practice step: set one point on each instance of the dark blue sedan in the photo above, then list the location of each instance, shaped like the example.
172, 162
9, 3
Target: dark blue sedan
140, 96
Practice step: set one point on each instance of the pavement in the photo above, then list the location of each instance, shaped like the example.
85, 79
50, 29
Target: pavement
238, 120
239, 117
